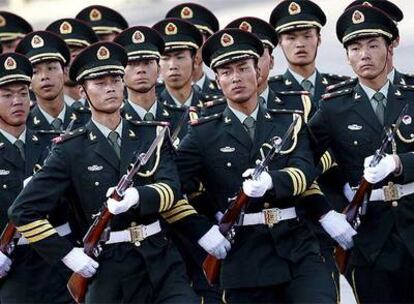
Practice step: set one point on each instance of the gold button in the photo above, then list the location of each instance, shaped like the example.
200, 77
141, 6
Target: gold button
133, 224
355, 143
394, 204
266, 205
96, 183
4, 186
229, 164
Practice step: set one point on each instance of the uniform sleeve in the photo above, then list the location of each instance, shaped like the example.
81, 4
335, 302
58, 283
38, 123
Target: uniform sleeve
30, 209
314, 202
319, 129
407, 162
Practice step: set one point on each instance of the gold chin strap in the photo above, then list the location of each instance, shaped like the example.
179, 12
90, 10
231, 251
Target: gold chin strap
157, 156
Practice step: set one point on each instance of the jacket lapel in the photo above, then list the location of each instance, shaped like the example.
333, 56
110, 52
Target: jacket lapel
10, 153
129, 146
37, 120
129, 112
290, 82
263, 128
320, 87
362, 106
395, 103
34, 150
233, 126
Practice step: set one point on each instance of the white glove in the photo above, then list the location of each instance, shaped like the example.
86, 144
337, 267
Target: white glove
349, 192
215, 243
336, 225
257, 188
386, 166
5, 264
219, 215
131, 198
79, 262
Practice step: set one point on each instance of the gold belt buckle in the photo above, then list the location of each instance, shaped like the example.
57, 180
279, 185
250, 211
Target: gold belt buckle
272, 216
137, 234
391, 192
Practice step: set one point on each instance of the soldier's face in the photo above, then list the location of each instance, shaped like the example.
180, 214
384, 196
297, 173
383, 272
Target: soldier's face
105, 93
238, 80
368, 57
300, 47
14, 104
141, 76
265, 64
74, 51
107, 37
48, 79
176, 68
10, 46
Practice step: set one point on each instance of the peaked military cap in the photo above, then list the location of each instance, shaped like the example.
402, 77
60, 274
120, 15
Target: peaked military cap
99, 59
43, 45
141, 42
74, 32
15, 68
263, 30
230, 45
389, 8
291, 15
102, 19
198, 15
363, 21
179, 34
13, 26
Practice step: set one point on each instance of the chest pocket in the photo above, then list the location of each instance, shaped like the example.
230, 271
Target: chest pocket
357, 139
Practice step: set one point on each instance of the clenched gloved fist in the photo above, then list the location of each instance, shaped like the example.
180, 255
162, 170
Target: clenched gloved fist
257, 188
130, 199
215, 243
336, 225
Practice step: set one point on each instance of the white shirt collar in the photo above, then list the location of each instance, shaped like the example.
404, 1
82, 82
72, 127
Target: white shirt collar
391, 75
50, 118
105, 130
13, 139
201, 81
300, 78
241, 116
186, 103
141, 111
370, 92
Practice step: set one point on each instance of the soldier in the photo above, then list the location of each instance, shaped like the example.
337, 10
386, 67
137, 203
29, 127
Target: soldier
268, 262
106, 22
12, 29
298, 25
22, 152
88, 162
77, 35
49, 55
381, 264
207, 24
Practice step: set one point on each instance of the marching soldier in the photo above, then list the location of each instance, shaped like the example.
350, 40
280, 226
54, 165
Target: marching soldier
77, 35
138, 263
22, 152
298, 25
269, 262
12, 29
49, 55
381, 265
207, 24
106, 22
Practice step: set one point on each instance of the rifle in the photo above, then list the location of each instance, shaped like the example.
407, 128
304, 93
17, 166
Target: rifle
211, 264
183, 120
77, 284
361, 197
6, 238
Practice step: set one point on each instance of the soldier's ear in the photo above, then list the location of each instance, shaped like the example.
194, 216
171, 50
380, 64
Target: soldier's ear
217, 81
396, 42
272, 62
82, 92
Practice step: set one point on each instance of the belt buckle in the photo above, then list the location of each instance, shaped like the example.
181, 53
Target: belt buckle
391, 192
272, 216
137, 234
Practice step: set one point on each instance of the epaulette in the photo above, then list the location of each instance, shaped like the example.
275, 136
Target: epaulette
55, 132
209, 97
409, 75
144, 123
294, 92
335, 76
405, 87
275, 78
72, 134
284, 111
201, 120
340, 85
336, 94
213, 103
81, 109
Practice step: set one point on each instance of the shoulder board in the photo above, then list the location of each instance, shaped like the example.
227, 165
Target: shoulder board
208, 97
284, 111
81, 109
56, 132
275, 78
340, 85
405, 87
293, 92
408, 75
149, 123
72, 134
336, 94
160, 82
173, 107
335, 76
205, 119
212, 103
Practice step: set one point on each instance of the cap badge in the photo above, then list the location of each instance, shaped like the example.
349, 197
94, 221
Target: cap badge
103, 53
226, 40
187, 13
294, 8
37, 42
138, 37
95, 15
358, 17
171, 29
2, 21
245, 26
10, 64
65, 28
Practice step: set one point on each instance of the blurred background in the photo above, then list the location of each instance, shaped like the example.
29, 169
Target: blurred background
331, 57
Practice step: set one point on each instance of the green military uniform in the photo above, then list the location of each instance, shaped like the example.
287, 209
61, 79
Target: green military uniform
381, 266
147, 269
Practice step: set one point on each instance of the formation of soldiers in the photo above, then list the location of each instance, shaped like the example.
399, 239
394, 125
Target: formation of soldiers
82, 99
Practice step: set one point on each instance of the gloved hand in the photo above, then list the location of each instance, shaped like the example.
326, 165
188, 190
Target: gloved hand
5, 264
348, 192
131, 198
386, 166
79, 262
215, 243
257, 188
336, 225
219, 215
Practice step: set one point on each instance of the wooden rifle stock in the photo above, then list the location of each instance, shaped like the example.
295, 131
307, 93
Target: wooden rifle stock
6, 239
